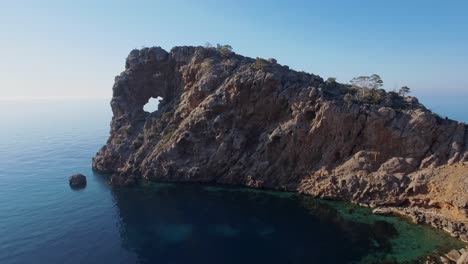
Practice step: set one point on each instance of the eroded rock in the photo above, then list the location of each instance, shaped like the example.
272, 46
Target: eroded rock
224, 119
463, 259
453, 255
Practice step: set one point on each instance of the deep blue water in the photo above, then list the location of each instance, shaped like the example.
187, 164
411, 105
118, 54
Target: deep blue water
42, 220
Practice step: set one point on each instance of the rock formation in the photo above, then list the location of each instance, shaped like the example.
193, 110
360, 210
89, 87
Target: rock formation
229, 119
77, 181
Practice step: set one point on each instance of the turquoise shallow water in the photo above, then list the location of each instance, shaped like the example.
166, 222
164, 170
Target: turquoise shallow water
43, 221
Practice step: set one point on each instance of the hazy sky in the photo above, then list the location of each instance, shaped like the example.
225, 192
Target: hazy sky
75, 48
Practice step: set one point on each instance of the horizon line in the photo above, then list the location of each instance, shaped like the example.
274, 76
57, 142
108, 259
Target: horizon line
43, 98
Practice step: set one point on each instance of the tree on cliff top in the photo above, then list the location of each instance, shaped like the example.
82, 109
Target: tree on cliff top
260, 64
224, 50
366, 89
371, 82
404, 91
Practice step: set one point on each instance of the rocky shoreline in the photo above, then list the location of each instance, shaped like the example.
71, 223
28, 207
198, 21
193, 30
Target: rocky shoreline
427, 216
229, 119
436, 220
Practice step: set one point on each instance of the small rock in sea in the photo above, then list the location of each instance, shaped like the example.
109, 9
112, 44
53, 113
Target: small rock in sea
77, 181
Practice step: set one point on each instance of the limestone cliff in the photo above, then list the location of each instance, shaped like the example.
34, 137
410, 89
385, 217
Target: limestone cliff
229, 119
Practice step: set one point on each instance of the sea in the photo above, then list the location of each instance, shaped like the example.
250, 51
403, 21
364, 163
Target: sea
43, 220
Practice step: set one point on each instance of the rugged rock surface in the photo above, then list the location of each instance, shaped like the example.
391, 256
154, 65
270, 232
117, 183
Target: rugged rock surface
463, 258
77, 181
228, 119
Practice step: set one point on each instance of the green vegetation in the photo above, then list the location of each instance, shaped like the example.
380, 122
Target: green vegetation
168, 132
366, 95
371, 82
375, 96
331, 80
224, 50
166, 115
260, 64
366, 89
404, 91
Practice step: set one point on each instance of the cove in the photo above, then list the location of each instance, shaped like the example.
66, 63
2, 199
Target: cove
191, 223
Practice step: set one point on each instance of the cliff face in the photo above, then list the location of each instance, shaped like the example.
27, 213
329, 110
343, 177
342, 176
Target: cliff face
229, 119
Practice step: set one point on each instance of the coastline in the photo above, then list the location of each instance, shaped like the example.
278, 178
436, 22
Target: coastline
229, 119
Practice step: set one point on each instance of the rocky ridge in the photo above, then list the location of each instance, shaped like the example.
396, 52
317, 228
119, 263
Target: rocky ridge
229, 119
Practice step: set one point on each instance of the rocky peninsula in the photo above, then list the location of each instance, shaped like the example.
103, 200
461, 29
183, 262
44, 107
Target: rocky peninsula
229, 119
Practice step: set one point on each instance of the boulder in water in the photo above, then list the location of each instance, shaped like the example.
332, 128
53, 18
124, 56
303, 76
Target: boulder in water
77, 181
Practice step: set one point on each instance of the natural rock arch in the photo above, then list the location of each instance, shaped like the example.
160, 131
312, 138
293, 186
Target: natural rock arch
225, 120
153, 104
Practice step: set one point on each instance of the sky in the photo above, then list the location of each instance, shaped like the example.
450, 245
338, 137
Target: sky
76, 48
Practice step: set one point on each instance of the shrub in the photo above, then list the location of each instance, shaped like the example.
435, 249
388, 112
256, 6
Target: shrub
366, 95
166, 115
224, 50
167, 134
374, 96
260, 64
404, 91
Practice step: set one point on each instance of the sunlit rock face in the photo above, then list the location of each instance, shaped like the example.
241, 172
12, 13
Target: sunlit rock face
229, 119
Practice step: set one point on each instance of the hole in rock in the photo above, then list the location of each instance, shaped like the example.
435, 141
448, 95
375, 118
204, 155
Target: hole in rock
152, 104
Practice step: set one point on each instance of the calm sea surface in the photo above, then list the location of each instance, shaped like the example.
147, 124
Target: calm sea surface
43, 221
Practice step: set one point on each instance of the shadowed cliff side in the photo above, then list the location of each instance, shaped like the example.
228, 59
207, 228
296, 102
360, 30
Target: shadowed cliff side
229, 119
